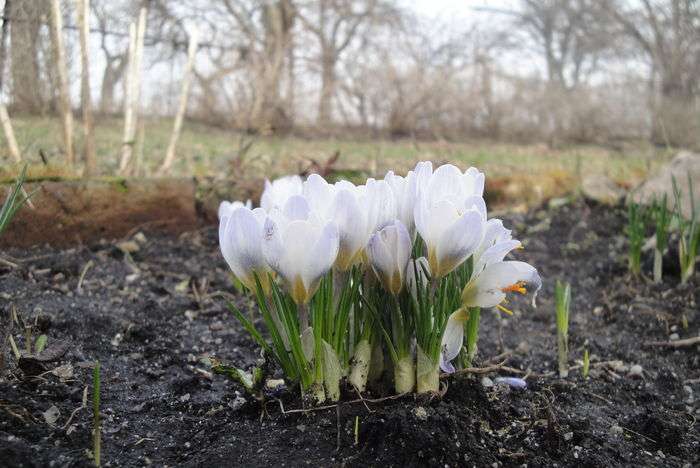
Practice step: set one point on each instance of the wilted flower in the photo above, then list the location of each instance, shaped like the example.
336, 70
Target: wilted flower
388, 251
240, 234
278, 191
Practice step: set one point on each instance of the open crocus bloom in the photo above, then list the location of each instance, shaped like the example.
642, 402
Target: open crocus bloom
300, 250
487, 288
388, 251
226, 207
450, 215
278, 191
240, 231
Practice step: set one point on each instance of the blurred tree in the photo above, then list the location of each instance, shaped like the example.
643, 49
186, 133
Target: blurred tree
667, 32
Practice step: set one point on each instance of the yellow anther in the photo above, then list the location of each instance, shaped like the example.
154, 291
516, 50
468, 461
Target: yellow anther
503, 309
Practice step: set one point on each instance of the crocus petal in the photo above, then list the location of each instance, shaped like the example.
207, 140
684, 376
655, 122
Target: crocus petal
240, 240
388, 251
297, 208
452, 339
277, 192
495, 253
351, 221
320, 257
458, 242
489, 288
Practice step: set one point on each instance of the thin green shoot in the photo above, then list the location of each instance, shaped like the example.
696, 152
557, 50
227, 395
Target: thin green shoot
357, 430
96, 428
661, 216
562, 297
689, 232
586, 363
14, 201
635, 234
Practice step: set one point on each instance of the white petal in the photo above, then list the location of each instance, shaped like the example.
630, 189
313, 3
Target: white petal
459, 241
352, 227
241, 244
297, 208
320, 257
486, 290
452, 339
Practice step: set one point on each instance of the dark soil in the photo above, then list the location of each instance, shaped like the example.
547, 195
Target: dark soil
152, 316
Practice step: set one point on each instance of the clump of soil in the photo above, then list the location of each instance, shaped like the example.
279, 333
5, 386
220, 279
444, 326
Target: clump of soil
151, 316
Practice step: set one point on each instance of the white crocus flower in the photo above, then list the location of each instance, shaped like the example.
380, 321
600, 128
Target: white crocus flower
388, 251
380, 204
240, 236
278, 191
404, 190
226, 207
320, 195
300, 248
350, 217
488, 288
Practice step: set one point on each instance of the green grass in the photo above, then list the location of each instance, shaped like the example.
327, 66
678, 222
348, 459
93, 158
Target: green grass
205, 151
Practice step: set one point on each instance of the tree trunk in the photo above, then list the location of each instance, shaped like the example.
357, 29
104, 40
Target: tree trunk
675, 118
86, 100
24, 50
63, 90
114, 71
327, 90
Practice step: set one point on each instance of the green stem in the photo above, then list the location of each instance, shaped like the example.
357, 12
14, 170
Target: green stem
658, 265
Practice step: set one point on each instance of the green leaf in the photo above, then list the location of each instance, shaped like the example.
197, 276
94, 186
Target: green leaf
40, 344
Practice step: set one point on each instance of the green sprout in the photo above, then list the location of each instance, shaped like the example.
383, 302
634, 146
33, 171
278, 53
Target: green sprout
562, 297
14, 201
661, 216
689, 237
636, 221
586, 363
96, 429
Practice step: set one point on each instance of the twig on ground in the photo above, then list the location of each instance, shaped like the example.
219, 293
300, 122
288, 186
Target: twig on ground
351, 402
674, 344
478, 370
8, 263
87, 266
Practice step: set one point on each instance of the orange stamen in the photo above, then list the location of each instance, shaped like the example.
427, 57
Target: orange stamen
518, 287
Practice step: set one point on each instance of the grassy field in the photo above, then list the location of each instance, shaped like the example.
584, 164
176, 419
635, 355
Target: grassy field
207, 151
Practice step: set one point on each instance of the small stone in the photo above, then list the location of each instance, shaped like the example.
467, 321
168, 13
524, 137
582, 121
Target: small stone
636, 371
420, 413
140, 238
301, 428
51, 415
185, 398
674, 328
615, 430
486, 382
673, 336
688, 389
523, 347
128, 246
568, 436
598, 310
273, 384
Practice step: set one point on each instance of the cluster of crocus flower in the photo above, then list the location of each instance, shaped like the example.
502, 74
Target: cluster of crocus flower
345, 273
